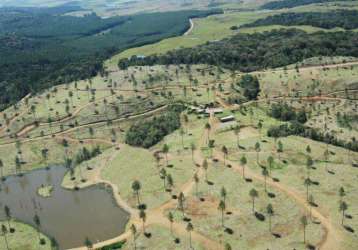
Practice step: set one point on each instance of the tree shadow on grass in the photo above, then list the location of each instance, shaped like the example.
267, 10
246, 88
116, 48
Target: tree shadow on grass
276, 235
228, 230
271, 195
331, 172
348, 216
274, 179
177, 241
349, 229
210, 183
248, 179
148, 235
260, 216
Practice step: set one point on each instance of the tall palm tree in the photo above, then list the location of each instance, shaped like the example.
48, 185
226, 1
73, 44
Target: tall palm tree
237, 133
182, 133
165, 151
279, 149
196, 180
163, 175
143, 217
304, 223
170, 182
8, 215
265, 173
310, 203
205, 167
181, 203
134, 233
2, 169
257, 149
189, 229
309, 164
307, 183
193, 148
136, 187
341, 193
326, 158
223, 193
253, 194
222, 207
243, 162
4, 234
38, 225
225, 152
270, 161
343, 206
270, 212
208, 128
171, 220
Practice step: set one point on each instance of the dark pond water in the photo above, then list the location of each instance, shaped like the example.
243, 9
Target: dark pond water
68, 216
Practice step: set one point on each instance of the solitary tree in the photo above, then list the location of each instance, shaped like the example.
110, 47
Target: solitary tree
341, 193
170, 182
309, 164
279, 149
253, 194
307, 183
181, 203
243, 162
193, 148
208, 128
171, 220
163, 175
343, 206
265, 173
270, 162
134, 233
196, 180
310, 203
270, 213
225, 152
222, 207
326, 158
257, 149
136, 187
189, 229
182, 133
165, 150
304, 224
143, 217
205, 167
4, 234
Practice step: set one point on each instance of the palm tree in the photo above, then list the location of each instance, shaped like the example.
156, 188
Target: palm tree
253, 194
307, 183
170, 182
223, 193
143, 216
343, 206
8, 215
208, 128
2, 169
136, 187
222, 208
225, 152
279, 149
341, 193
270, 162
237, 133
309, 164
181, 203
134, 233
193, 148
196, 180
257, 149
38, 225
211, 146
88, 243
326, 158
4, 233
310, 203
270, 212
205, 167
265, 173
165, 150
163, 175
189, 229
243, 162
171, 220
182, 133
304, 224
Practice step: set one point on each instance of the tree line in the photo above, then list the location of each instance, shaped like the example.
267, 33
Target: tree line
275, 5
250, 52
346, 19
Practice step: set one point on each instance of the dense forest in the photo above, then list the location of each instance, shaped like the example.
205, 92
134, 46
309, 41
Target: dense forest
347, 19
250, 52
275, 5
148, 133
39, 49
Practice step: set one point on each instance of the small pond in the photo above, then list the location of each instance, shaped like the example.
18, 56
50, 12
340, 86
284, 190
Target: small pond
67, 215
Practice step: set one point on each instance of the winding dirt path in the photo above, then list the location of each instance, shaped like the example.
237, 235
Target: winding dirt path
190, 29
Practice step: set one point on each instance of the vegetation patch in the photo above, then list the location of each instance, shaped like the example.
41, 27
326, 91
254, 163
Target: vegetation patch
275, 5
45, 191
346, 19
148, 133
